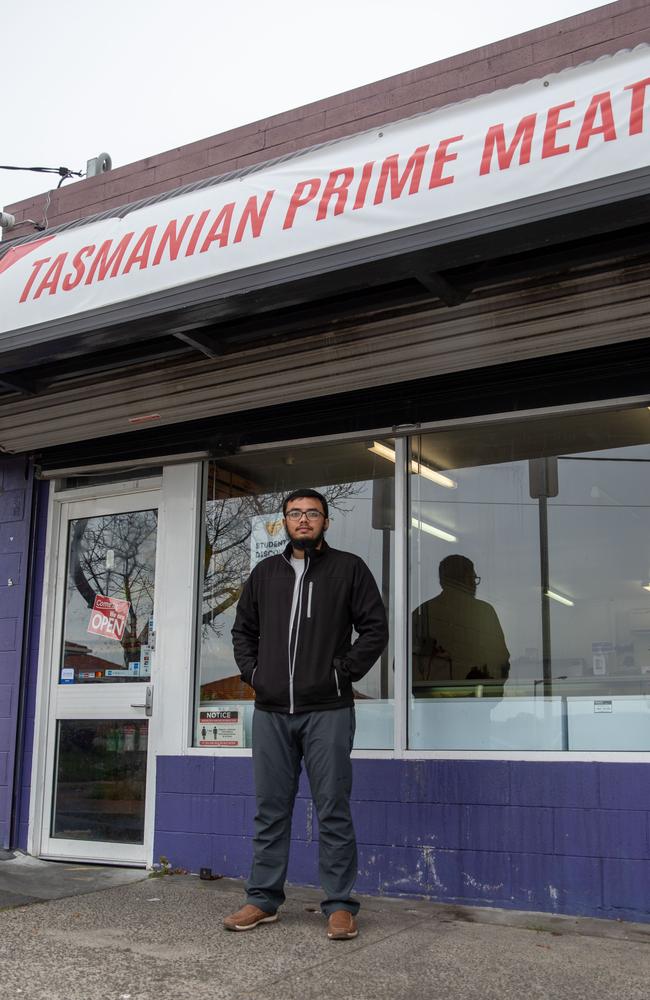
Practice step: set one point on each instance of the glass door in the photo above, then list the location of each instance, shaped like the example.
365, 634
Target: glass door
102, 681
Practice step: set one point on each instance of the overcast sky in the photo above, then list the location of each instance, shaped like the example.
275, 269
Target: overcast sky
136, 77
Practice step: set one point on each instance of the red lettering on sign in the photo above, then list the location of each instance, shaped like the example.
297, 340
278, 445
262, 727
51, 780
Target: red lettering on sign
50, 282
255, 215
79, 266
506, 145
140, 253
390, 170
172, 236
496, 140
553, 126
600, 104
638, 103
36, 266
220, 228
362, 190
336, 187
106, 261
441, 158
304, 192
196, 233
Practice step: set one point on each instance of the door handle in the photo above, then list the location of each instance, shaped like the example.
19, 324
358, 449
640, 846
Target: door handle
148, 702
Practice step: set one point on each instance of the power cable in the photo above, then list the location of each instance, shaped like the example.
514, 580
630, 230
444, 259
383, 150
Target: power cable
63, 172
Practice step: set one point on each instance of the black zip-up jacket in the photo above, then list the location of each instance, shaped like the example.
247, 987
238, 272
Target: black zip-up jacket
313, 668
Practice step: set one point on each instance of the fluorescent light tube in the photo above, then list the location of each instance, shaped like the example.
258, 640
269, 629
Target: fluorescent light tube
416, 467
432, 530
559, 598
646, 586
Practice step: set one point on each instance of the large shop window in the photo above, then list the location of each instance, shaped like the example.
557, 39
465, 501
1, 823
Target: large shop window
242, 523
530, 585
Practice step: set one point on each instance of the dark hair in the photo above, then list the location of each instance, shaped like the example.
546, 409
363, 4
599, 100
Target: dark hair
302, 495
455, 569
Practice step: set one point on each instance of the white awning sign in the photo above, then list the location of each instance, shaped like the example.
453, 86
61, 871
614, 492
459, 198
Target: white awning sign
577, 126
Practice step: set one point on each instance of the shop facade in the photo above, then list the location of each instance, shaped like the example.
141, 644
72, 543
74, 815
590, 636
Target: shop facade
442, 325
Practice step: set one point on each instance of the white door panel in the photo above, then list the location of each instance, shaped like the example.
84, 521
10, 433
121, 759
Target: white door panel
97, 797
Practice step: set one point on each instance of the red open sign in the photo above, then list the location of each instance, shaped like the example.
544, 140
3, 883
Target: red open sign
108, 617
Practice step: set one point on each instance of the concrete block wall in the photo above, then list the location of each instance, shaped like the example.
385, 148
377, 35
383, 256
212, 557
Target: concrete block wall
556, 837
15, 516
514, 60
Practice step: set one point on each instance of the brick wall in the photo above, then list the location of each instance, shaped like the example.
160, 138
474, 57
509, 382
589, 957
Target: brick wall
511, 61
15, 515
554, 837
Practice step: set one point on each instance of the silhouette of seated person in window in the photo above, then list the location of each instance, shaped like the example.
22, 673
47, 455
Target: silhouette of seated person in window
457, 637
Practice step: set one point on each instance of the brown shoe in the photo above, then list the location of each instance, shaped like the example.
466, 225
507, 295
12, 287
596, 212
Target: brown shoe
341, 926
248, 917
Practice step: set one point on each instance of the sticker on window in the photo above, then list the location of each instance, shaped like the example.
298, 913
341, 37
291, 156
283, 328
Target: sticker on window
267, 537
220, 728
601, 706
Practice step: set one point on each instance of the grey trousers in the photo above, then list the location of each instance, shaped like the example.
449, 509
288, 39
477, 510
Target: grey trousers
280, 742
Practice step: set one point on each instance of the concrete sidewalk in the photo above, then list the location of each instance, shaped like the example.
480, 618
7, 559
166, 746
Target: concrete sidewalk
161, 939
24, 879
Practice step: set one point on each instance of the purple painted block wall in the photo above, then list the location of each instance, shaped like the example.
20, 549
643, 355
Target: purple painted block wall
15, 515
558, 837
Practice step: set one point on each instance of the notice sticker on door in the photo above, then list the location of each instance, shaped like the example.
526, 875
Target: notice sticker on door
145, 661
67, 675
220, 728
108, 617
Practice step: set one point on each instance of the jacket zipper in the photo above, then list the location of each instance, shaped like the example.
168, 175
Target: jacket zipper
292, 658
309, 593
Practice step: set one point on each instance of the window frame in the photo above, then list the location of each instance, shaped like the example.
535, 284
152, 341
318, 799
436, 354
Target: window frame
402, 436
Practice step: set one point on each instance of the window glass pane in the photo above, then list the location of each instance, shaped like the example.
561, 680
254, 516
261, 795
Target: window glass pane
530, 624
101, 770
598, 531
243, 524
108, 630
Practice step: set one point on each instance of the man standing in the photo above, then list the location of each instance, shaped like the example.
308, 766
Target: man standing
292, 639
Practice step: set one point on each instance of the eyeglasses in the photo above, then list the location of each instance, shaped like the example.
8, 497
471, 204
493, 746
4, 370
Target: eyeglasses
296, 515
477, 580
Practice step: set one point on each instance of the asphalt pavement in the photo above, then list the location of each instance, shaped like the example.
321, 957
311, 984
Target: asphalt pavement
76, 932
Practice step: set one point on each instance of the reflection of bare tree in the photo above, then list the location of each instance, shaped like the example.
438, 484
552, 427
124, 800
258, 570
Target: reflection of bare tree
115, 556
228, 526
